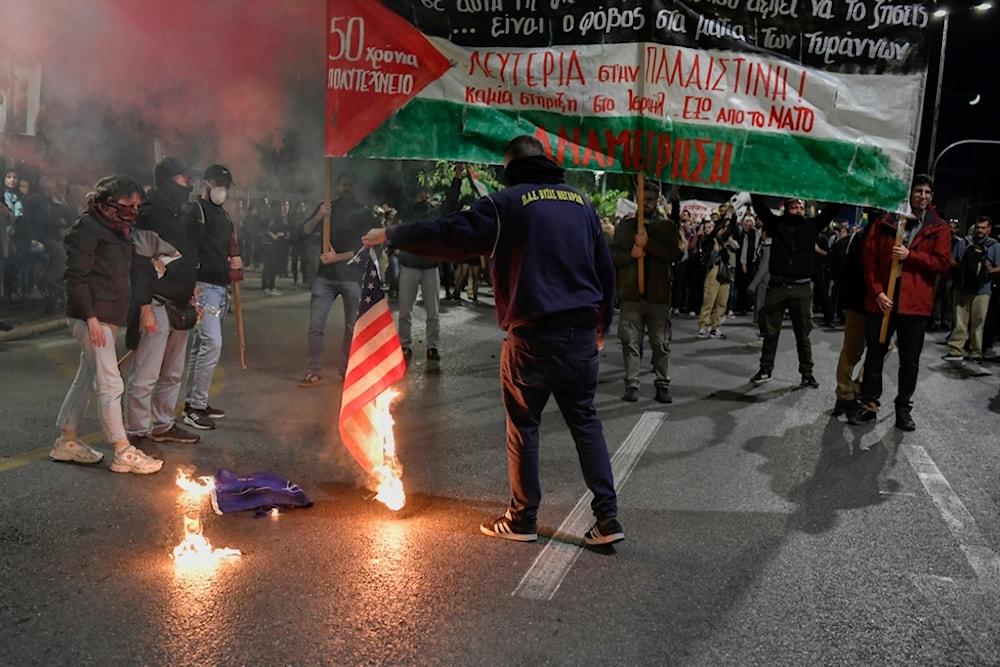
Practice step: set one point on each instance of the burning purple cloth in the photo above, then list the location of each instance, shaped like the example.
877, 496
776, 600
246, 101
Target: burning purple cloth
260, 491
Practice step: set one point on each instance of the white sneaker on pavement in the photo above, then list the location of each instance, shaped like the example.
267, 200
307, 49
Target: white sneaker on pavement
73, 451
135, 460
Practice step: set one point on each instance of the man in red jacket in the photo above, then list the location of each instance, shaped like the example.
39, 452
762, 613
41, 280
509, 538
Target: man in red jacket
924, 254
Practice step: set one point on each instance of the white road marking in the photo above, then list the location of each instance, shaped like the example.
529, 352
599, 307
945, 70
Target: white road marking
982, 559
546, 574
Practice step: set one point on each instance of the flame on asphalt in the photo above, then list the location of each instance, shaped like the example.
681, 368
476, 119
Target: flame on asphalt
195, 550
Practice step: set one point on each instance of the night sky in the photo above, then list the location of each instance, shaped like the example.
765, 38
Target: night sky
234, 79
966, 172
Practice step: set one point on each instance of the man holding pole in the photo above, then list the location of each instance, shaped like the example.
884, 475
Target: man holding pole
643, 249
212, 236
339, 232
902, 259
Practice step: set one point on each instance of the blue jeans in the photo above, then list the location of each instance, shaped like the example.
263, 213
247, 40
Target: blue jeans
535, 364
206, 343
154, 382
324, 293
98, 373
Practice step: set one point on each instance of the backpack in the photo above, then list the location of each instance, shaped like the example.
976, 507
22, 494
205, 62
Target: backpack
972, 272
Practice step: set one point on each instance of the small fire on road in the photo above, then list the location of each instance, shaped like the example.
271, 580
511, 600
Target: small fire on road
195, 551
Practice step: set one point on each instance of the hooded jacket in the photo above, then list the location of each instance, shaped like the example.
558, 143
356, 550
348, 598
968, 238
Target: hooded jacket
550, 254
930, 256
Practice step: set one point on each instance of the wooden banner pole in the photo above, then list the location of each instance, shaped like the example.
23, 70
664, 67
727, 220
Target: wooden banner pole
890, 291
641, 227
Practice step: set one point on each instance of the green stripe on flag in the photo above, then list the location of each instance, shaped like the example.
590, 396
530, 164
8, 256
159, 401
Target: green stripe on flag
716, 157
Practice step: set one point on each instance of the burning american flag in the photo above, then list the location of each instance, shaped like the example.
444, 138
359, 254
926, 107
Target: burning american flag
375, 364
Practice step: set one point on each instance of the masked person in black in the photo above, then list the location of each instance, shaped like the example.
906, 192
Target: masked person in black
164, 271
793, 248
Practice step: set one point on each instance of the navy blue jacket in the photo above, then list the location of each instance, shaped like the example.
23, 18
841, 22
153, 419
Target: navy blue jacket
548, 250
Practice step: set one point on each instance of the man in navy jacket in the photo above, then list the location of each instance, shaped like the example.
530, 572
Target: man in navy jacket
554, 284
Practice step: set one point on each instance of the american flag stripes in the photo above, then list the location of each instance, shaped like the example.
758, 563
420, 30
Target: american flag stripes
375, 364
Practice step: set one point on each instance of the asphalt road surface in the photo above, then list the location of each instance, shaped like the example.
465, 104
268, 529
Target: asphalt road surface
759, 530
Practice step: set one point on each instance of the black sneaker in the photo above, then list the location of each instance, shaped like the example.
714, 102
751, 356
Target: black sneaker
433, 354
198, 419
868, 412
846, 406
904, 421
631, 394
510, 529
175, 434
310, 380
809, 381
663, 395
761, 377
607, 531
214, 413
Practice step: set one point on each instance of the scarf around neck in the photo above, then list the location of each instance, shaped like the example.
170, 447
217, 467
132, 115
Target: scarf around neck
109, 217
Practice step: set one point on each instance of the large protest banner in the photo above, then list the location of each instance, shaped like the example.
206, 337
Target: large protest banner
815, 98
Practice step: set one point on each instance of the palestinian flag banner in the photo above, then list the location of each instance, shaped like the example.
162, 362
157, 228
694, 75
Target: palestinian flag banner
819, 99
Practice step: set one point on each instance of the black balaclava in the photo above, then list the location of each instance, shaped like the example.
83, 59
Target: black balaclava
533, 169
164, 180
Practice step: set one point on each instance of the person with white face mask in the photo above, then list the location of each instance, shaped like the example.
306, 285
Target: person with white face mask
218, 266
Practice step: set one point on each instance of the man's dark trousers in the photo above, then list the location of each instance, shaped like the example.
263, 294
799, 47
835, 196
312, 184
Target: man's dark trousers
796, 298
537, 362
909, 331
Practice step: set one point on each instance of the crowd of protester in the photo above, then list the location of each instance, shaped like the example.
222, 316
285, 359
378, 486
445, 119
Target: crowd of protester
741, 260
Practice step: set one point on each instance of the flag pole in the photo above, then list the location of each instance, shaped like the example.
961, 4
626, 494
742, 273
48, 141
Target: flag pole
327, 168
641, 227
893, 275
235, 276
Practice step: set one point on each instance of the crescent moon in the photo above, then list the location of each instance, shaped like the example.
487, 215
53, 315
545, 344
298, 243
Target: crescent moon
974, 101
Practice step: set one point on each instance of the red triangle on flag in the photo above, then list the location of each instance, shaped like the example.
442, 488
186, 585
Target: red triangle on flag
376, 63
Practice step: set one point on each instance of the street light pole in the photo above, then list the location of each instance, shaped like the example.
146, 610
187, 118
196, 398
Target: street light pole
943, 13
937, 94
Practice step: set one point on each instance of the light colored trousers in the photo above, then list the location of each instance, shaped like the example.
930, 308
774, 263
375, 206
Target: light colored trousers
970, 318
154, 380
429, 281
714, 300
848, 386
97, 374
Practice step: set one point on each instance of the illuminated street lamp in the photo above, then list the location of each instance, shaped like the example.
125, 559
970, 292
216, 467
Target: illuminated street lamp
943, 13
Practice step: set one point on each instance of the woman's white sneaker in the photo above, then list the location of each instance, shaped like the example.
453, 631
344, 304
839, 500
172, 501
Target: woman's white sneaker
135, 460
68, 450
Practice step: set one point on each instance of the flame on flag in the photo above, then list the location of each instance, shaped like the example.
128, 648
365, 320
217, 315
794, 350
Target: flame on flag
375, 364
